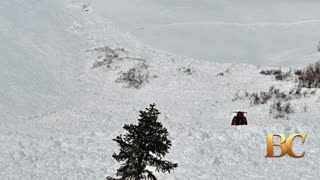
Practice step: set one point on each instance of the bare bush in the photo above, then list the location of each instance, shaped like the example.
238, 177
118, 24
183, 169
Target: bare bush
281, 106
108, 56
264, 96
296, 91
255, 98
310, 76
187, 70
313, 92
271, 72
280, 109
134, 77
273, 93
220, 74
298, 72
283, 76
132, 71
227, 71
277, 73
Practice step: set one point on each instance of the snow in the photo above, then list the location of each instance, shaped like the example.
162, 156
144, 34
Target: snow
273, 33
60, 114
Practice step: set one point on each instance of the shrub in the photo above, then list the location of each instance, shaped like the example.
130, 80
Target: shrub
187, 70
310, 76
108, 56
280, 110
271, 72
255, 98
227, 71
277, 73
132, 71
220, 74
296, 91
298, 72
264, 96
283, 76
134, 77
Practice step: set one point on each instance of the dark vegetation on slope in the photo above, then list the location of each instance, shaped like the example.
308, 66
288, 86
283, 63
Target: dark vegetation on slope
133, 75
307, 81
308, 77
277, 73
186, 70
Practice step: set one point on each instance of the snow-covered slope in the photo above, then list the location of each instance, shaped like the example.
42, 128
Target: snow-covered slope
60, 114
269, 32
40, 60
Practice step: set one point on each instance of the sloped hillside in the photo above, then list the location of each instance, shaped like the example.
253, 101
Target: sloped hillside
71, 80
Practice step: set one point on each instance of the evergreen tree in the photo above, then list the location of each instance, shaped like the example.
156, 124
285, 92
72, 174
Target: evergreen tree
143, 145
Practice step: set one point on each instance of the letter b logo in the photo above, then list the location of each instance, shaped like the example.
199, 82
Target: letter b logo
285, 145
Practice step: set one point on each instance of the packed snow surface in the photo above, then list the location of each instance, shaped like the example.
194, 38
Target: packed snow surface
60, 113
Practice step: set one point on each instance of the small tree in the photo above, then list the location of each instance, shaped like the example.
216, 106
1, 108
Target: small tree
142, 146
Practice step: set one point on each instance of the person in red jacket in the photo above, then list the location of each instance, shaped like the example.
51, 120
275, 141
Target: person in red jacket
239, 119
